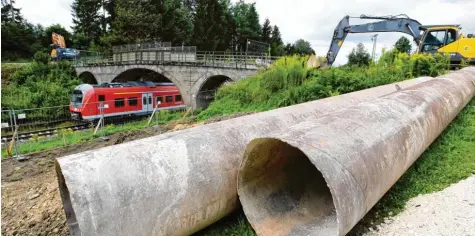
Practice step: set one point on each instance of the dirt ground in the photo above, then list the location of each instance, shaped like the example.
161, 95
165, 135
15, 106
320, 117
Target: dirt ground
31, 203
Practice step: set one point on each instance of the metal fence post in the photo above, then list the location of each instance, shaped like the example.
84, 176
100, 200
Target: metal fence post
10, 114
156, 118
15, 137
102, 118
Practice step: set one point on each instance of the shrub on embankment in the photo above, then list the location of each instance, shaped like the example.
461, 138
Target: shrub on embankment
37, 85
8, 70
288, 81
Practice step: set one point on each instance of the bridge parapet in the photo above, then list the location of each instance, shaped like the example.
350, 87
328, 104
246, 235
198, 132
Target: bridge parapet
186, 56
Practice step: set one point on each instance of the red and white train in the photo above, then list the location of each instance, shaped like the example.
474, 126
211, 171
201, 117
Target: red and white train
123, 99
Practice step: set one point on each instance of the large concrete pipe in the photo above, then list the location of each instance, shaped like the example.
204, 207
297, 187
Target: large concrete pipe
321, 176
175, 183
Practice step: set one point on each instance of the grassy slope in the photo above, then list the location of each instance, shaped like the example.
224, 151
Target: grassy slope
448, 160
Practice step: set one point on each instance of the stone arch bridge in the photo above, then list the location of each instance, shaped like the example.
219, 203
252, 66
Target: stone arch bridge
196, 83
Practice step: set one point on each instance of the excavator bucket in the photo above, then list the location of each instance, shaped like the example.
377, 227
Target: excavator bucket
317, 62
58, 40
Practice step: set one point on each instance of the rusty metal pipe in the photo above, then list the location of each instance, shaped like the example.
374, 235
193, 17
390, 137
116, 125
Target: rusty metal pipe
321, 176
175, 183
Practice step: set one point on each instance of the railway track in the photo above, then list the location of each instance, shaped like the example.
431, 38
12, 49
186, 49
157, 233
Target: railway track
41, 133
54, 131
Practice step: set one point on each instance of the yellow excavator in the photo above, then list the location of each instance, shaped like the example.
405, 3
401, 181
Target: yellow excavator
428, 38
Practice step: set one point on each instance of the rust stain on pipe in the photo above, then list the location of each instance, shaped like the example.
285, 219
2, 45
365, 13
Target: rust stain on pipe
176, 183
321, 176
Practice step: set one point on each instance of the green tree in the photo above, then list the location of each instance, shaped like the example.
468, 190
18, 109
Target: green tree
213, 25
109, 6
277, 46
176, 22
247, 24
231, 28
86, 19
144, 21
81, 42
359, 56
190, 5
266, 31
289, 49
10, 14
19, 38
403, 45
303, 47
253, 21
17, 41
137, 22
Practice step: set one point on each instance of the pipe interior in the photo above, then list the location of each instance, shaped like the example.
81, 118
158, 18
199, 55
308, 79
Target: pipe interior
283, 193
68, 209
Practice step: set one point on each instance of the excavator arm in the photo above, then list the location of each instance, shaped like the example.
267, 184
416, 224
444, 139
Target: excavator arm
400, 23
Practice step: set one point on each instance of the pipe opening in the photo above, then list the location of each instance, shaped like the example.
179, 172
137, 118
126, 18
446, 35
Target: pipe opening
68, 208
283, 193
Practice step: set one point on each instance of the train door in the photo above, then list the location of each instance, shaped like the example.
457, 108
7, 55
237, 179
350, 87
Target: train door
147, 103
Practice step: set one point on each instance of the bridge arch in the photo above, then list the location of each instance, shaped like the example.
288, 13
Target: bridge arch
150, 73
87, 78
141, 74
208, 88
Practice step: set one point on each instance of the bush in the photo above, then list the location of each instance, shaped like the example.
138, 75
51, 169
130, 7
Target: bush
41, 57
40, 85
7, 72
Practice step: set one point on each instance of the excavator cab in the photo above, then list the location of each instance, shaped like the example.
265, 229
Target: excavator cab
436, 37
447, 39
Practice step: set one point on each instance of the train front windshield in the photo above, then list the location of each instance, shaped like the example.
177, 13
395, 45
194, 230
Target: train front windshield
76, 98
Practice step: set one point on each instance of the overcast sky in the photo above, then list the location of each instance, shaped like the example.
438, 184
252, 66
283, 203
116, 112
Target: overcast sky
312, 20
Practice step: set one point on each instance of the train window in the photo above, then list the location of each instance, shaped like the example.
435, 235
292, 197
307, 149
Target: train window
102, 98
119, 102
160, 99
133, 101
144, 101
76, 97
169, 98
149, 99
177, 98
